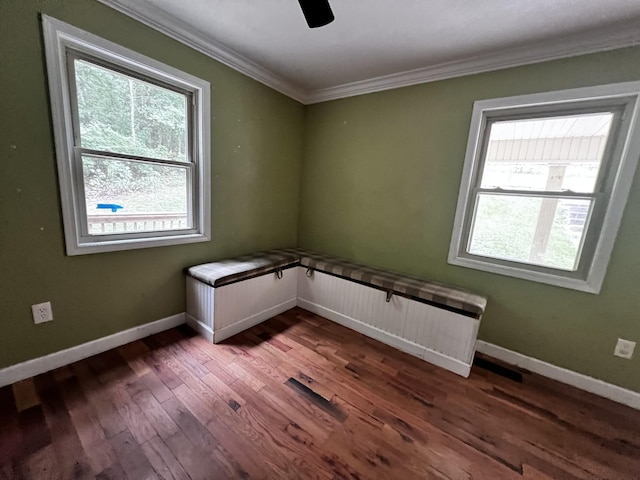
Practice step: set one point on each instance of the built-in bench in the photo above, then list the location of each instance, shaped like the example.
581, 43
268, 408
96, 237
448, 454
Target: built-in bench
436, 322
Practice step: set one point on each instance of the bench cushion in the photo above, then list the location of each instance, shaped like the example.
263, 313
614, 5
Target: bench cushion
435, 293
236, 269
233, 270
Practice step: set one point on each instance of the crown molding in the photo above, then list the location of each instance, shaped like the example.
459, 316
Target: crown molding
525, 55
158, 20
555, 49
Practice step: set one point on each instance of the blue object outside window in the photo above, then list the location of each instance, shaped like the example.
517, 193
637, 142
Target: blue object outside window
109, 206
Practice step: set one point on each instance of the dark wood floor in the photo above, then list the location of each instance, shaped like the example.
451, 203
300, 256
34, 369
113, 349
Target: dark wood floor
302, 397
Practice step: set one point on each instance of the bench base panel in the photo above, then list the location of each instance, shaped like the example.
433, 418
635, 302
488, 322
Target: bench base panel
431, 356
202, 329
246, 323
218, 313
444, 338
441, 337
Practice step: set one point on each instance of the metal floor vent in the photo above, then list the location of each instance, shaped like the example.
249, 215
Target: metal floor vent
498, 369
317, 399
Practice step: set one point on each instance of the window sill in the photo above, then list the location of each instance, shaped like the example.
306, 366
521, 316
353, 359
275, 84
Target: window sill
86, 248
592, 285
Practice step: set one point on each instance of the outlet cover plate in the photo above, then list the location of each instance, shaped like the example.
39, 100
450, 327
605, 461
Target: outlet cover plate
624, 348
42, 312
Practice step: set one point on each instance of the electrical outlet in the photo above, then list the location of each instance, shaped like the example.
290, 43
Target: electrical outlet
624, 348
42, 312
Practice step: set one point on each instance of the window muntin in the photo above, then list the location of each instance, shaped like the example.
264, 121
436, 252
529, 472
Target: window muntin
545, 181
132, 145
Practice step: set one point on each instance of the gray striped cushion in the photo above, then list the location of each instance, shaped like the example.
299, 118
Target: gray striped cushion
435, 293
236, 269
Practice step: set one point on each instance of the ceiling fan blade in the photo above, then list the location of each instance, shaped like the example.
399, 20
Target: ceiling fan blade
317, 12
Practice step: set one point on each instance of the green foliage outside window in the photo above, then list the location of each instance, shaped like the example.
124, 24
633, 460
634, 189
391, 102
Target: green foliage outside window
121, 114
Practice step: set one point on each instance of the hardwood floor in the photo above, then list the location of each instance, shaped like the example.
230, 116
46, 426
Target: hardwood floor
302, 397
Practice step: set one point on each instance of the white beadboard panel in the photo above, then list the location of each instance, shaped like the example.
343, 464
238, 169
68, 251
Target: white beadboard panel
246, 323
453, 365
200, 302
219, 313
407, 324
245, 299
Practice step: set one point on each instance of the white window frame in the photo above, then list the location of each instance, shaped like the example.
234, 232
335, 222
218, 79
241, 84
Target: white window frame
62, 39
611, 193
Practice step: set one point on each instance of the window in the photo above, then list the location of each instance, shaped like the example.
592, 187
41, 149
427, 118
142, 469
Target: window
545, 181
132, 145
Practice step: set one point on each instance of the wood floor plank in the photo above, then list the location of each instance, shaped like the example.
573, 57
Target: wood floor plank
34, 429
107, 413
158, 418
299, 396
195, 460
41, 465
70, 456
110, 368
224, 391
238, 372
134, 353
178, 347
113, 472
8, 472
131, 457
133, 417
99, 453
189, 425
199, 347
221, 370
98, 450
25, 394
11, 435
290, 450
165, 464
240, 439
194, 444
166, 376
157, 388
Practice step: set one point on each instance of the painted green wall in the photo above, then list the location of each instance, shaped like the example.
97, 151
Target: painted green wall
256, 138
380, 180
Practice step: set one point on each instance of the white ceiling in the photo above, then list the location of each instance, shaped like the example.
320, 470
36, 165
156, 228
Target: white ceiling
378, 44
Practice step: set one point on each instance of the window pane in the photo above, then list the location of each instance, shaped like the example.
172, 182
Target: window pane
552, 153
121, 114
125, 196
534, 230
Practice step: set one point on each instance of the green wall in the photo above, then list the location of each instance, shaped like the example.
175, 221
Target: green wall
256, 138
380, 180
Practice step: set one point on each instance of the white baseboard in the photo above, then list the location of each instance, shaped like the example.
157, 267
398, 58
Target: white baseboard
431, 356
569, 377
27, 369
242, 325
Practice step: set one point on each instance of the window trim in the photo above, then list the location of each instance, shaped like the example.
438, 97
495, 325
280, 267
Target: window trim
624, 158
62, 40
